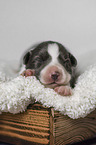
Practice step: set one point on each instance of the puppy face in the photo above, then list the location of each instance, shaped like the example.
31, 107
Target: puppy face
52, 63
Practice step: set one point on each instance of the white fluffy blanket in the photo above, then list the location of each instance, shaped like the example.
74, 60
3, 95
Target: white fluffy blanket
16, 93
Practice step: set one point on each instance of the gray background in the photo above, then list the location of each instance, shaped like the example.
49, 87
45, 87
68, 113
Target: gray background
70, 22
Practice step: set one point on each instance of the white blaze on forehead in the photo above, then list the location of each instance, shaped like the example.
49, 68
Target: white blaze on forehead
53, 51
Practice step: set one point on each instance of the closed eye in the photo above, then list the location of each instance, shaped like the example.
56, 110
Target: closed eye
37, 58
64, 60
40, 60
67, 60
44, 56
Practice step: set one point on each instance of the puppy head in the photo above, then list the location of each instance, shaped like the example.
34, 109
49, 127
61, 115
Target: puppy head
52, 63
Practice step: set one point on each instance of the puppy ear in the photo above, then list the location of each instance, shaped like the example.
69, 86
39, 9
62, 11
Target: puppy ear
26, 57
28, 53
73, 60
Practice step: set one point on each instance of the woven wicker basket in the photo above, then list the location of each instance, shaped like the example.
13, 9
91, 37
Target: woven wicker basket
40, 125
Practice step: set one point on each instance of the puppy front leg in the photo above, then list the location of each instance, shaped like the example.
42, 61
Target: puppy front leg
63, 90
28, 72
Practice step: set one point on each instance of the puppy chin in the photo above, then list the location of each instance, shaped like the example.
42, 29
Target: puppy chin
49, 85
52, 86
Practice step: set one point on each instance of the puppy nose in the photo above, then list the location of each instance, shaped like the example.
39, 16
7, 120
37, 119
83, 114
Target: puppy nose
55, 76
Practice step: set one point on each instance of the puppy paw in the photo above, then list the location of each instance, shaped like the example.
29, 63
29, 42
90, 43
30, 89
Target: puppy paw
28, 72
63, 90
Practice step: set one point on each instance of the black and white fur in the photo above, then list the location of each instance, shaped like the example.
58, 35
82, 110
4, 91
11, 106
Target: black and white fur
52, 64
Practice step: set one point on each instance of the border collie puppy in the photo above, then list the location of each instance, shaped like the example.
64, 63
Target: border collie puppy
52, 64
